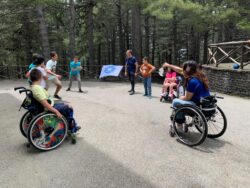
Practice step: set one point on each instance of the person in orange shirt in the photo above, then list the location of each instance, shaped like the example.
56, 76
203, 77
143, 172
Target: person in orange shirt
146, 69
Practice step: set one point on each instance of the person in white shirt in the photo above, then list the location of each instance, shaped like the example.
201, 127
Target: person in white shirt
53, 77
39, 64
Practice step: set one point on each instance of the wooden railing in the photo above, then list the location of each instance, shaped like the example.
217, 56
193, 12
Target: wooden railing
229, 52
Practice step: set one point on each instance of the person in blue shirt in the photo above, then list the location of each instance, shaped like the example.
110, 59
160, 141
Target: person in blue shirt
131, 69
75, 69
196, 83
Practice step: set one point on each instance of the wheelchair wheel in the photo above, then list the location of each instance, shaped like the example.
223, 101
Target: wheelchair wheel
190, 125
47, 132
24, 123
217, 124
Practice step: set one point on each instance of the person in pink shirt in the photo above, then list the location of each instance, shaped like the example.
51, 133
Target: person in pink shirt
169, 82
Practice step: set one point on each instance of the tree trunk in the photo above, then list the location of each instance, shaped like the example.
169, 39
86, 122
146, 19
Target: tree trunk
147, 35
43, 31
27, 28
99, 56
127, 30
113, 47
205, 48
90, 32
191, 48
174, 39
136, 32
72, 29
120, 30
153, 41
197, 48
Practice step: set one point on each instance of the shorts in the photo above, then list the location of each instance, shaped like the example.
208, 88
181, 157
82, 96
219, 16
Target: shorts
54, 80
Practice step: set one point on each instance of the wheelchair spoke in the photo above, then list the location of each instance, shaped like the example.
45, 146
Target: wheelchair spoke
217, 124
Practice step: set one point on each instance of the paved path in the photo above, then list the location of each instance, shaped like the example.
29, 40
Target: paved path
124, 143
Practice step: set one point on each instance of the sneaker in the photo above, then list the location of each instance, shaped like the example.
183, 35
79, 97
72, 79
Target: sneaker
78, 128
132, 93
163, 94
130, 90
145, 95
57, 97
68, 89
80, 91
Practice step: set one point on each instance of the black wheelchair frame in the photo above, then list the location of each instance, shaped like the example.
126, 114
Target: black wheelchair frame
192, 124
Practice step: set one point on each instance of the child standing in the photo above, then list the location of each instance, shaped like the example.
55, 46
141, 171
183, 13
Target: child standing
146, 70
75, 68
53, 77
38, 63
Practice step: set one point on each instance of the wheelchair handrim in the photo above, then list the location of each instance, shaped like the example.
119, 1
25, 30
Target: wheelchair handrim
24, 126
181, 136
47, 142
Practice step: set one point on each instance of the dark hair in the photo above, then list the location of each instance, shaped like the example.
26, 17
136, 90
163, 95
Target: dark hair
53, 54
39, 60
35, 75
192, 69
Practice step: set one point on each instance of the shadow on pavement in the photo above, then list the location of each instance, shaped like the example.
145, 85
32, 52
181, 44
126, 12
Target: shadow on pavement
79, 165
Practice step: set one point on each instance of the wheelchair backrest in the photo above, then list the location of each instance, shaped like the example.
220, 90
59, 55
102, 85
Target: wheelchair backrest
31, 104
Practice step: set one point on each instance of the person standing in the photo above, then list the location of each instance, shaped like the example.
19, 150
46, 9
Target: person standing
75, 68
131, 68
146, 70
51, 70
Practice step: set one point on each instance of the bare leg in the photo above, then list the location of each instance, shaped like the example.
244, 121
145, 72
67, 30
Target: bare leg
171, 89
165, 87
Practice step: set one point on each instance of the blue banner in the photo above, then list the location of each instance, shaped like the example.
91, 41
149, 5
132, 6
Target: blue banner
110, 70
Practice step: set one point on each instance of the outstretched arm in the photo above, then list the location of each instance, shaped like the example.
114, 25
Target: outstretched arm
173, 67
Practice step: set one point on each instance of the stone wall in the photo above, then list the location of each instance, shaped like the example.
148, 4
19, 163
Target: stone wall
234, 82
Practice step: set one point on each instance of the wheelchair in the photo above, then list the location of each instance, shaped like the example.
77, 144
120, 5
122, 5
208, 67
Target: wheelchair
193, 124
178, 91
43, 130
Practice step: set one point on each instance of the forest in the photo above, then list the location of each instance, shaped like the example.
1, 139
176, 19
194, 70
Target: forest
100, 31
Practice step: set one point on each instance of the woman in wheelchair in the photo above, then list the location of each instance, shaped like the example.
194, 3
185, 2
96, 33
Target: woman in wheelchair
41, 95
196, 83
196, 114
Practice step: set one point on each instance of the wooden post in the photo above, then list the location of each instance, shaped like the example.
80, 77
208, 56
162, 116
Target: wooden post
242, 57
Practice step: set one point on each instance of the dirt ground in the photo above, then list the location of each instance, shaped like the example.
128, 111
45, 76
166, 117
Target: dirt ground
124, 142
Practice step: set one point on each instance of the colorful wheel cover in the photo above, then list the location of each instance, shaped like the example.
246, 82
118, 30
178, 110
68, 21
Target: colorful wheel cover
48, 132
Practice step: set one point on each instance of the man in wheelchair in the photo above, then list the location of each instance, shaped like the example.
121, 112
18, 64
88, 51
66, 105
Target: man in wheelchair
42, 96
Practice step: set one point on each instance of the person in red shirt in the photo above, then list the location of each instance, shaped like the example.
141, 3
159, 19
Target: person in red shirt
146, 69
169, 82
